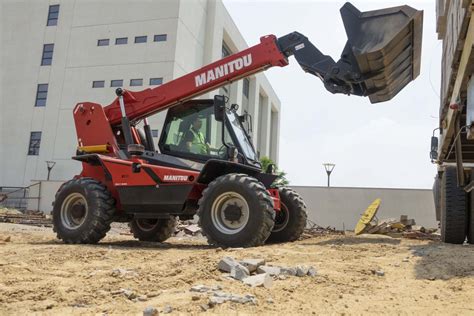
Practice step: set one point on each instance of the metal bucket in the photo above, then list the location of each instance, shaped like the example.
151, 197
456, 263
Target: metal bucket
385, 45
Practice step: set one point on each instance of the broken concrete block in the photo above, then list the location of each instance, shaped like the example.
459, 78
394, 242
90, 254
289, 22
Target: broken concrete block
301, 271
168, 309
239, 272
199, 288
312, 271
288, 271
269, 269
263, 279
150, 311
226, 264
378, 272
215, 300
252, 264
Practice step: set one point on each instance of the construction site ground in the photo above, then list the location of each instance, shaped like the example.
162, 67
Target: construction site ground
39, 274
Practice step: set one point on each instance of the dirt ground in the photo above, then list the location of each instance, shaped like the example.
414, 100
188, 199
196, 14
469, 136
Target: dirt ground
38, 274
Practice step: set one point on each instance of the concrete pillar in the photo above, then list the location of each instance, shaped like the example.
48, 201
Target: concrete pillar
253, 109
275, 134
265, 128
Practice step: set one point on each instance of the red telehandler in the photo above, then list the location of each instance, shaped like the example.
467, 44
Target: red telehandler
206, 163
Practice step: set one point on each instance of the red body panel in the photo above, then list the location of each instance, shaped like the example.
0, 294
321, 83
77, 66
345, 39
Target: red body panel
96, 125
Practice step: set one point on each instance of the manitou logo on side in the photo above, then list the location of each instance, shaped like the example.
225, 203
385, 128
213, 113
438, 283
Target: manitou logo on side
223, 70
175, 178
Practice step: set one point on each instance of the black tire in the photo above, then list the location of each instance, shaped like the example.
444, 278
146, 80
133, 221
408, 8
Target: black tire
88, 219
258, 203
157, 230
470, 228
453, 208
290, 222
437, 197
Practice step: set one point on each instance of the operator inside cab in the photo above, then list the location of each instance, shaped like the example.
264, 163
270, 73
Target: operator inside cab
195, 140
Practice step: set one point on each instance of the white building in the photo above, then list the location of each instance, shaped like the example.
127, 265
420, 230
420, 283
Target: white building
56, 53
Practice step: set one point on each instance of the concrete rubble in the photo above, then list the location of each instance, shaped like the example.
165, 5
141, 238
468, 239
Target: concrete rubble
403, 227
254, 272
217, 296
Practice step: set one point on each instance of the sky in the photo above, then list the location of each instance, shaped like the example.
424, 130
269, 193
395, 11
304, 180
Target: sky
373, 145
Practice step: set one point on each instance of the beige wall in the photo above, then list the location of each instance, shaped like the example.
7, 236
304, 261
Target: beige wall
338, 207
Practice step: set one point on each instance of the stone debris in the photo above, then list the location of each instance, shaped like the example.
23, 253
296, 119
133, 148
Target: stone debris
288, 271
167, 309
273, 271
188, 228
199, 288
227, 263
263, 279
124, 273
142, 298
130, 294
32, 218
239, 272
221, 297
378, 272
302, 271
403, 227
150, 311
252, 264
312, 272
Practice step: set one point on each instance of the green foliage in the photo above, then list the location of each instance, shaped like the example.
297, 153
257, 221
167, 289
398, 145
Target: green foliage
281, 180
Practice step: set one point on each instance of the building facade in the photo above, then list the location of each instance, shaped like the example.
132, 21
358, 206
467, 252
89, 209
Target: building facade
57, 53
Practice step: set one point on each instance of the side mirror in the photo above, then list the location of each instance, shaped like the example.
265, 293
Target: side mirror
219, 107
434, 148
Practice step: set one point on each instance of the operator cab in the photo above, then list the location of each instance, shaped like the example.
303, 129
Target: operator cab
200, 130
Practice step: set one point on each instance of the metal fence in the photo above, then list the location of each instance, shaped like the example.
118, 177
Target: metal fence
16, 197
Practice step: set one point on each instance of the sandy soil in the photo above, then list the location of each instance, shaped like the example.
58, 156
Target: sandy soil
38, 274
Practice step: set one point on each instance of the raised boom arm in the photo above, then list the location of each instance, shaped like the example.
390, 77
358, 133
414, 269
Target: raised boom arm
382, 55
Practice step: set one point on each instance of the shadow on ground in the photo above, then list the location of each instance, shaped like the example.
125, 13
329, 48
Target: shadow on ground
132, 245
438, 261
351, 240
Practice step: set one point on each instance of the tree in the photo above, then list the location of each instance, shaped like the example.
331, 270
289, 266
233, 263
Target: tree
281, 179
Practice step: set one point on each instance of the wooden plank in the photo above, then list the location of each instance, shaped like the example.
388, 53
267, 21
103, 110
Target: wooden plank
448, 122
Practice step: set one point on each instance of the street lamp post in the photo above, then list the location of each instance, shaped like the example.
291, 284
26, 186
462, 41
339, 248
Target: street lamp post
50, 166
329, 168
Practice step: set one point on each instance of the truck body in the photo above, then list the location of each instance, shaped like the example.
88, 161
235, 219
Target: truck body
453, 151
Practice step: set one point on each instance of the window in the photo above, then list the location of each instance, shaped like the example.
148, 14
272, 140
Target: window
103, 42
116, 83
41, 94
154, 132
156, 81
98, 84
194, 131
136, 82
53, 15
160, 38
121, 41
225, 50
140, 39
246, 87
34, 146
47, 57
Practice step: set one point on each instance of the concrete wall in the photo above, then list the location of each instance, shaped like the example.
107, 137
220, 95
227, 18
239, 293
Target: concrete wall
46, 191
342, 207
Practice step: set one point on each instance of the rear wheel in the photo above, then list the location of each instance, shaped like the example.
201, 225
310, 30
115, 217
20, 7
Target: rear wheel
453, 208
470, 228
157, 230
236, 211
82, 212
290, 221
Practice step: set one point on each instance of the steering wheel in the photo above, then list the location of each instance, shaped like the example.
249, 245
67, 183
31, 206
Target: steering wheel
222, 151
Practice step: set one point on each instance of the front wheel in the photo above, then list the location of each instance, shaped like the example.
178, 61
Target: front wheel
235, 210
290, 221
158, 230
82, 212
